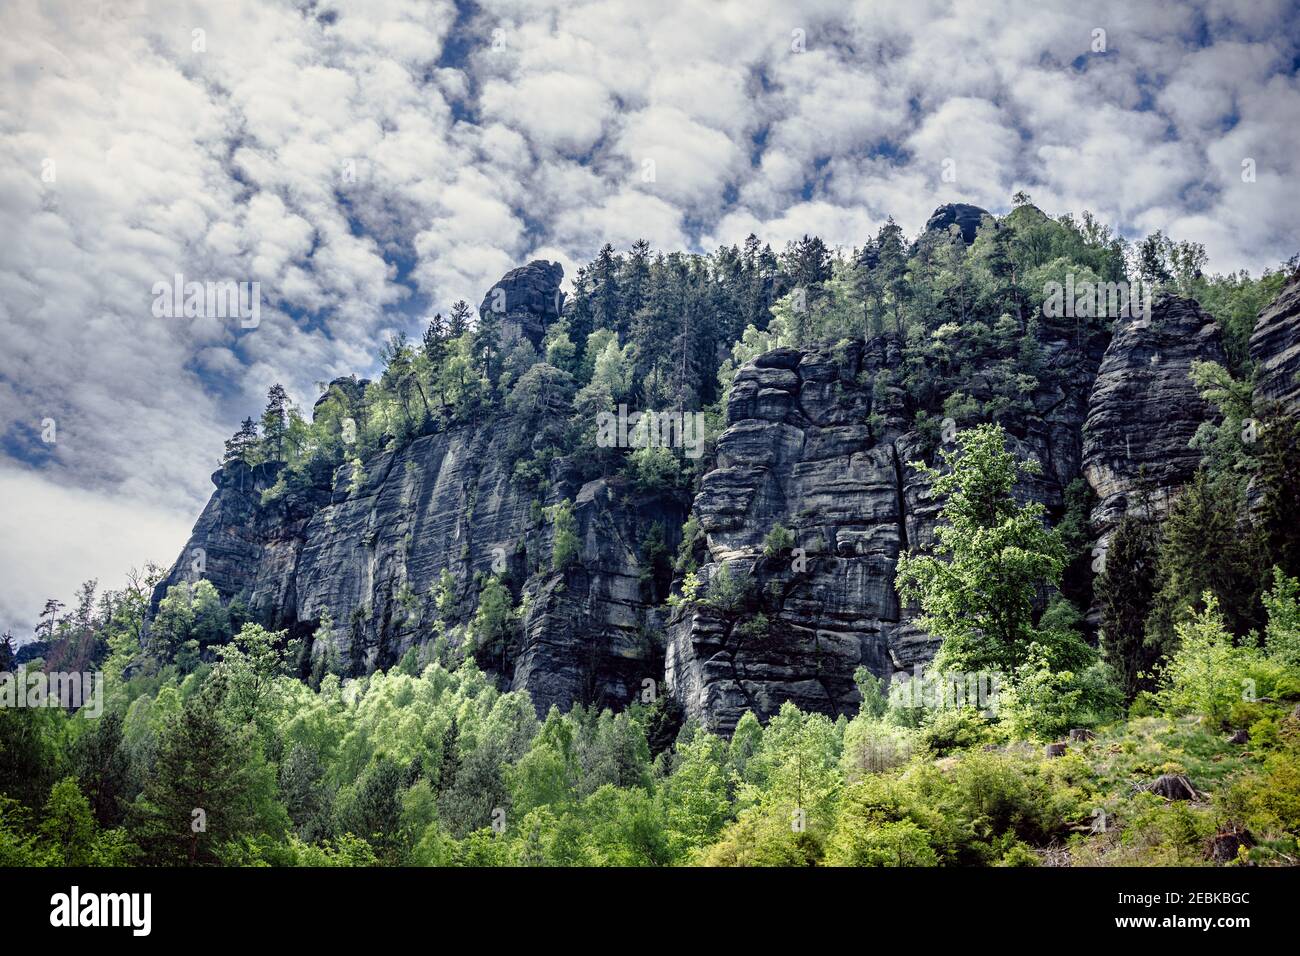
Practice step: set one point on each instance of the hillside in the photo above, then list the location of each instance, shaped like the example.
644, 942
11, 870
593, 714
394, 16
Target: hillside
469, 612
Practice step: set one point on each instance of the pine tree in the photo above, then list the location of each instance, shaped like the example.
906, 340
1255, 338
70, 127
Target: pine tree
437, 342
241, 448
487, 344
893, 269
808, 263
1206, 550
458, 321
195, 798
635, 279
606, 302
1278, 478
275, 422
1125, 591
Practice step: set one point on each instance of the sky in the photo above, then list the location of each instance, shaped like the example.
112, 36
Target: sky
368, 163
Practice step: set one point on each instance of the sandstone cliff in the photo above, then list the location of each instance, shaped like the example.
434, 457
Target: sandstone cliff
817, 441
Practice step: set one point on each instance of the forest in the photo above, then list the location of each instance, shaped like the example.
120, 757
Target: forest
223, 741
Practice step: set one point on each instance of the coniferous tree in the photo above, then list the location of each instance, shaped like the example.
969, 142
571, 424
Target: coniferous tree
892, 263
1206, 549
1278, 477
606, 304
241, 447
1125, 590
487, 344
203, 787
275, 422
102, 768
458, 320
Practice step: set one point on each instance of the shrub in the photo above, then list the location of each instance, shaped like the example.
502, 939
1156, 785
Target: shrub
952, 729
1207, 674
778, 541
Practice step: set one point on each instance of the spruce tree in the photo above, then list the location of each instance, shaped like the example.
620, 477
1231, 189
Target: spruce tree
275, 422
1125, 591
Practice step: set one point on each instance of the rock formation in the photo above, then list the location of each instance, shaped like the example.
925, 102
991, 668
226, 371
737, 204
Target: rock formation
1145, 409
817, 441
528, 299
1275, 348
800, 451
963, 215
368, 554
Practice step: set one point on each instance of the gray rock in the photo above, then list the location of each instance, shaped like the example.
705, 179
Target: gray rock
1144, 409
798, 452
1275, 348
528, 299
963, 215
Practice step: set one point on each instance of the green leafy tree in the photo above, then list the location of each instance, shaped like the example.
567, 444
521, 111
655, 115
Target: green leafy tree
696, 796
493, 624
991, 557
566, 545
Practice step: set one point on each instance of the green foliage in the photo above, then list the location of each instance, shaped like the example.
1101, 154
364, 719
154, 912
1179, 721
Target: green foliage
189, 612
977, 590
1125, 589
1282, 636
494, 620
778, 541
427, 764
566, 545
1208, 673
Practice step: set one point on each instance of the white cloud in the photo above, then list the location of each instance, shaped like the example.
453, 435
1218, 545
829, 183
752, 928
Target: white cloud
327, 150
65, 535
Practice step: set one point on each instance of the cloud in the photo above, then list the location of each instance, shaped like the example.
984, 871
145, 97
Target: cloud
367, 159
58, 530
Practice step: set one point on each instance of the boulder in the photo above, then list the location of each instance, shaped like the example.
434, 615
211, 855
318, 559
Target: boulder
964, 216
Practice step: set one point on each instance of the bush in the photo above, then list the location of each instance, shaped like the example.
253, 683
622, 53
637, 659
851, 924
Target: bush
1043, 703
900, 843
778, 541
1207, 674
952, 729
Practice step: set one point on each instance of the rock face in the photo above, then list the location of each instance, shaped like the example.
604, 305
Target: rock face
1275, 348
814, 446
1144, 408
368, 554
370, 559
527, 299
818, 442
963, 215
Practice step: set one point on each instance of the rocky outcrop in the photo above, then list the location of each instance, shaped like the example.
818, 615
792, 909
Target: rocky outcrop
527, 299
1144, 408
368, 552
1275, 348
819, 443
962, 215
370, 556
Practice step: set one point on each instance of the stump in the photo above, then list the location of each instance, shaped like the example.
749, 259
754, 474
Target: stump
1056, 750
1173, 786
1223, 846
1240, 737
